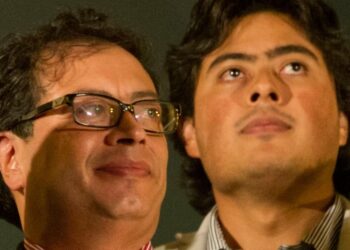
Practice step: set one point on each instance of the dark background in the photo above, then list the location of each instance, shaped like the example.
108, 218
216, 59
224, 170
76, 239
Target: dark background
162, 22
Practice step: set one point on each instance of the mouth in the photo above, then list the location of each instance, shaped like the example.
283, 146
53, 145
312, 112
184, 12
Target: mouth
124, 169
265, 125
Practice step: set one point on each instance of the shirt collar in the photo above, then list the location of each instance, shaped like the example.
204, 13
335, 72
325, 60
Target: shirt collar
324, 235
31, 246
148, 246
216, 239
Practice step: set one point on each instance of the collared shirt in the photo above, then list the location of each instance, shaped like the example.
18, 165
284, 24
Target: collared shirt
324, 235
27, 245
148, 246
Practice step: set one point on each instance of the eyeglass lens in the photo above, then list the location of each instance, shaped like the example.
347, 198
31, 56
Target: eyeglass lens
97, 111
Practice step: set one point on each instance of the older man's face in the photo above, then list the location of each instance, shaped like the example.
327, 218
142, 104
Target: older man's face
77, 172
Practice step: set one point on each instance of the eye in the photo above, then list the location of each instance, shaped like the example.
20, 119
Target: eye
148, 110
91, 109
153, 113
231, 74
294, 68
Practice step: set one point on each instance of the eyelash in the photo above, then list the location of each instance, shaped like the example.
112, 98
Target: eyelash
236, 72
232, 73
301, 68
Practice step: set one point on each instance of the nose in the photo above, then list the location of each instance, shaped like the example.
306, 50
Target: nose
128, 131
268, 88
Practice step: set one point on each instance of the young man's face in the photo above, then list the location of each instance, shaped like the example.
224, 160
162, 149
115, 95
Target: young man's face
266, 113
79, 172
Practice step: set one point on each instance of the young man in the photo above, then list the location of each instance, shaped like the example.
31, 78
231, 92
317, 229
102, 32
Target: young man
82, 146
264, 86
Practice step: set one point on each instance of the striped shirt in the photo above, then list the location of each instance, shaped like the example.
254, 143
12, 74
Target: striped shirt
324, 236
148, 246
30, 246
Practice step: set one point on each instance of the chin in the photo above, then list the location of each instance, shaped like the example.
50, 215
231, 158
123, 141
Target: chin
257, 176
131, 207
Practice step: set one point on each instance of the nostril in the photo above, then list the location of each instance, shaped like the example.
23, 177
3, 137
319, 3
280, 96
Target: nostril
254, 97
274, 97
126, 141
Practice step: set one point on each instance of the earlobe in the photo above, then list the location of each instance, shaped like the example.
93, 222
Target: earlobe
343, 129
10, 169
190, 139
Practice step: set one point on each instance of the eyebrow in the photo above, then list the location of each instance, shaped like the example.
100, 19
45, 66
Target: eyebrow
144, 94
288, 49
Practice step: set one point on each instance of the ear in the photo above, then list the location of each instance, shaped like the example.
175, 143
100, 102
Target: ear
11, 171
189, 138
343, 129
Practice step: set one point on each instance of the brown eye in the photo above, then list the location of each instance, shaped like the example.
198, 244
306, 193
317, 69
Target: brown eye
294, 68
91, 110
231, 74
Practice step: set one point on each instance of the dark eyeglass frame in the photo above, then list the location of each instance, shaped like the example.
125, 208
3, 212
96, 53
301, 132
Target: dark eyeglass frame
69, 99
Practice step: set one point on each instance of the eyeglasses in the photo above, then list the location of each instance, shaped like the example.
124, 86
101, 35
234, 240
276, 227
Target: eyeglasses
101, 111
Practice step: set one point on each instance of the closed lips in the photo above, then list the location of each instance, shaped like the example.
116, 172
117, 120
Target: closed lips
265, 124
125, 168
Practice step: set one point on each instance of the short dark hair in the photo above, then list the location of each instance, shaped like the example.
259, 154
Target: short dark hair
19, 59
211, 23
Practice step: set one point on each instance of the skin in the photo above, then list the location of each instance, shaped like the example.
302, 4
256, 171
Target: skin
267, 129
71, 201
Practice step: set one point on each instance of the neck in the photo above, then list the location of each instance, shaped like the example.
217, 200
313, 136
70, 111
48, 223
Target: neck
271, 221
123, 234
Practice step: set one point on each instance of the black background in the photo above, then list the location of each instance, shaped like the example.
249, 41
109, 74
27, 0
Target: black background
162, 22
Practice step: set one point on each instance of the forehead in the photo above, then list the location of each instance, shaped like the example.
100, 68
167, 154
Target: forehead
104, 68
54, 61
262, 31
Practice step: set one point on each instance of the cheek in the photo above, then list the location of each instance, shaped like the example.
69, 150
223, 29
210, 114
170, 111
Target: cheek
159, 155
211, 109
206, 120
160, 151
214, 123
63, 152
155, 188
320, 110
52, 171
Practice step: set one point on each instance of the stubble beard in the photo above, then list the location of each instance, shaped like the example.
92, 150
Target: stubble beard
282, 181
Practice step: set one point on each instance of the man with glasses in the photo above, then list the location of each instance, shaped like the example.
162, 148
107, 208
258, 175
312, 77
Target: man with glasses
83, 152
264, 87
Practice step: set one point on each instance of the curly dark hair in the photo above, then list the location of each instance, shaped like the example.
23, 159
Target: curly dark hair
21, 58
211, 23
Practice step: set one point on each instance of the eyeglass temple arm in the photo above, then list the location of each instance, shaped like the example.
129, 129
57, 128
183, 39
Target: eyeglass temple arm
175, 119
46, 107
